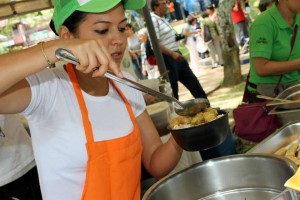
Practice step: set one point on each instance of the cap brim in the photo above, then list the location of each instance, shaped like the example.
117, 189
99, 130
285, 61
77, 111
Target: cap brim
103, 6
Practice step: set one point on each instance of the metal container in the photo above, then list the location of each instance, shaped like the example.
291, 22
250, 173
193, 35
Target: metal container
237, 177
285, 136
204, 136
160, 114
285, 116
291, 111
291, 93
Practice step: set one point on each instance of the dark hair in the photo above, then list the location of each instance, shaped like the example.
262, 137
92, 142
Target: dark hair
74, 20
263, 4
204, 14
71, 22
128, 25
51, 24
191, 19
153, 4
211, 8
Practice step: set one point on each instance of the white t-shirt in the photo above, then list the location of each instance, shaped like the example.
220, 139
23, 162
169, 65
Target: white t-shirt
57, 133
134, 42
164, 32
16, 155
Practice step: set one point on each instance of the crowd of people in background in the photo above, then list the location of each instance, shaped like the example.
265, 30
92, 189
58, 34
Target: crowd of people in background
197, 13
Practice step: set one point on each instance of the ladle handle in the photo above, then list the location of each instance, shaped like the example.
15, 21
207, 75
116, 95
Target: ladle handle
66, 55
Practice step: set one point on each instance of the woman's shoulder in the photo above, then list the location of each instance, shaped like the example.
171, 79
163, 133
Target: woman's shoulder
207, 21
263, 21
48, 76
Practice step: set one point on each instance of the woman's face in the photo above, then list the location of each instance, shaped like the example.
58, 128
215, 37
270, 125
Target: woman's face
109, 27
143, 38
129, 31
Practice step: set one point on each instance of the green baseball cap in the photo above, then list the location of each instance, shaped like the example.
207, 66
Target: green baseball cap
64, 8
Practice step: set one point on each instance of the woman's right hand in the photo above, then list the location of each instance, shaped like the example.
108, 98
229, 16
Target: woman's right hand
91, 54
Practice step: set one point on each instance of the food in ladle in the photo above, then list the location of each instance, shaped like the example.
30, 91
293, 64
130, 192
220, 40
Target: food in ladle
205, 116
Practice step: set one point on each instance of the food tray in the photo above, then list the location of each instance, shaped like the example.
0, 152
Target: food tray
283, 137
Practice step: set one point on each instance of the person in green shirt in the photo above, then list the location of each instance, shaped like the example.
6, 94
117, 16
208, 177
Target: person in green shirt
271, 56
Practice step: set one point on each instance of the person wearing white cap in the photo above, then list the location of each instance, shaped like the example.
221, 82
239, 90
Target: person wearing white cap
90, 135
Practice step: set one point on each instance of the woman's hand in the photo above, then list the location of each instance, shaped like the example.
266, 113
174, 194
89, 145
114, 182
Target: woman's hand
92, 56
144, 70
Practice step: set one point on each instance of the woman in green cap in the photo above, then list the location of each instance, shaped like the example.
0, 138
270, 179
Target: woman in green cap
89, 134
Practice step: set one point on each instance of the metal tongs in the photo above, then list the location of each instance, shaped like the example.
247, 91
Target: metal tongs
67, 56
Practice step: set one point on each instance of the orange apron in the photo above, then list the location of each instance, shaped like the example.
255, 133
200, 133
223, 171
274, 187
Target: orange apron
114, 166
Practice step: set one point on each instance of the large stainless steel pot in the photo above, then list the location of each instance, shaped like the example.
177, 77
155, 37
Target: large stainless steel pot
237, 177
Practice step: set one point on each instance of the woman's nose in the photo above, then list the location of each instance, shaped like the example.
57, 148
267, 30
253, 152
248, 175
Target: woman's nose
118, 37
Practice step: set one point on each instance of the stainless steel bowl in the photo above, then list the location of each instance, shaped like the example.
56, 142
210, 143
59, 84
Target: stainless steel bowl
237, 177
204, 136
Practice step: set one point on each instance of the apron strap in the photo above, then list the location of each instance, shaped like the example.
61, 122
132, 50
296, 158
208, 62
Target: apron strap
129, 109
84, 112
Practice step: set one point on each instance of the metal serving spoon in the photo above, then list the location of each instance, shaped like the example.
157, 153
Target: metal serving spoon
189, 108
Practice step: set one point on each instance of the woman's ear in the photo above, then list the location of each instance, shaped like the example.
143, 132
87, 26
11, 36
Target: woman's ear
64, 33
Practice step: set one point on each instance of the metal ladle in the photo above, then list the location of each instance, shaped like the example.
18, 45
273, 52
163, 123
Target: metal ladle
188, 108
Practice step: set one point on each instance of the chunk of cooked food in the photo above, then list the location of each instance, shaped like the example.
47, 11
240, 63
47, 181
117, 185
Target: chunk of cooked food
198, 119
212, 110
281, 151
291, 152
294, 159
209, 116
180, 122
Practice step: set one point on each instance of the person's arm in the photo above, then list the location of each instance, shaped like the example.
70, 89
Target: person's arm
187, 33
266, 67
175, 55
15, 94
262, 51
159, 159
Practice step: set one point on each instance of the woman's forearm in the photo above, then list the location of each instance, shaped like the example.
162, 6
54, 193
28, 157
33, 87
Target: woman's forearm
16, 66
161, 160
265, 67
90, 53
